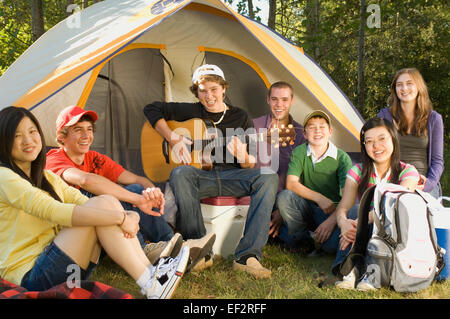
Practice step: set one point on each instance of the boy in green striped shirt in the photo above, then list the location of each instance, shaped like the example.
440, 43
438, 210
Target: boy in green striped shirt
315, 177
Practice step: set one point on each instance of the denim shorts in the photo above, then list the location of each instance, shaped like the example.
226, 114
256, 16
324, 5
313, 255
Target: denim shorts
52, 268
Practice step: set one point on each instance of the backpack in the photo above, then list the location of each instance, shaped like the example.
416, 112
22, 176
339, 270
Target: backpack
402, 251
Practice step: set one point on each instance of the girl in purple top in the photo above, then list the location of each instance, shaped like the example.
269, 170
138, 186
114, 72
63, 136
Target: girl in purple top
411, 111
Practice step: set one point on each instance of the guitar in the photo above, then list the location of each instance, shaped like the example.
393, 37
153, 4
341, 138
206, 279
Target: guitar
158, 160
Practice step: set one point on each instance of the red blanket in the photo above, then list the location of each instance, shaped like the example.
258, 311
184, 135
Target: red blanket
87, 290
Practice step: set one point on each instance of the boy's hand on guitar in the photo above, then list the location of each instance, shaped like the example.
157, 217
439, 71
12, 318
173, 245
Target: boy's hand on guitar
152, 198
238, 149
179, 148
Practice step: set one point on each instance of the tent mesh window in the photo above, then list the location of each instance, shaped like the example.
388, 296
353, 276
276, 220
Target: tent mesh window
247, 90
135, 78
123, 87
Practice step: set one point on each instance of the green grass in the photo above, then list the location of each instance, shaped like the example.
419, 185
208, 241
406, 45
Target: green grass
293, 277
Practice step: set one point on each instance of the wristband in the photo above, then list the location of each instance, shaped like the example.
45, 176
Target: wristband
124, 217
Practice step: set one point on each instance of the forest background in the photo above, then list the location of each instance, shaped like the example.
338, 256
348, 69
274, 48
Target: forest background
359, 43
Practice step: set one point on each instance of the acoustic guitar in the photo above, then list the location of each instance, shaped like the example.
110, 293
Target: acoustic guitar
158, 159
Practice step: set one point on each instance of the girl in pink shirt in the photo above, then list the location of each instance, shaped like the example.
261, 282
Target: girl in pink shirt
380, 164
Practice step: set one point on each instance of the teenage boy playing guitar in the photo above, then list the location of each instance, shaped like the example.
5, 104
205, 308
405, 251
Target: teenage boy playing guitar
235, 177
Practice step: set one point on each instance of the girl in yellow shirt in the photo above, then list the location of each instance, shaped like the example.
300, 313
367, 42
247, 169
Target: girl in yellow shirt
50, 233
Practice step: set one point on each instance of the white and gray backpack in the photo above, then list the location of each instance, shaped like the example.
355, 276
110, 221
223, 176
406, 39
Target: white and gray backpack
402, 252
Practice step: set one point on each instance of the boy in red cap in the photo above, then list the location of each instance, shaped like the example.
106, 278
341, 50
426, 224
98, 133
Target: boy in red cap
97, 174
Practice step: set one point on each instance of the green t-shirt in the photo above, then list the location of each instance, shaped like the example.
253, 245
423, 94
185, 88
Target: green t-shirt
326, 177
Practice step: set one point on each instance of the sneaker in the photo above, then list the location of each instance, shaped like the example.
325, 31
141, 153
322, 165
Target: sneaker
199, 248
203, 263
365, 284
253, 267
173, 247
166, 276
155, 251
347, 282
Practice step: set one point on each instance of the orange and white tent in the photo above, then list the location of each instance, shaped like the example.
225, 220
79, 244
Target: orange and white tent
116, 56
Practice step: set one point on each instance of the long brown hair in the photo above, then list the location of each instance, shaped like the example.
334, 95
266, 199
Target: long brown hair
423, 104
367, 161
10, 117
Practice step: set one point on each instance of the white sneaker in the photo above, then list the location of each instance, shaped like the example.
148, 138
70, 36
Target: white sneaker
365, 284
173, 247
163, 249
347, 282
166, 276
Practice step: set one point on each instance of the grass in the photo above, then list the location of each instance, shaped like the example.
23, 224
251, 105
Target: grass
293, 277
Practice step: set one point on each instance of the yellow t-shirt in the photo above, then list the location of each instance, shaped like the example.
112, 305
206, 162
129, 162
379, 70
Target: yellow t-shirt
30, 219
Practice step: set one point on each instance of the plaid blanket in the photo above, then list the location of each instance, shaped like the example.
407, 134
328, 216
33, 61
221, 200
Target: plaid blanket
87, 290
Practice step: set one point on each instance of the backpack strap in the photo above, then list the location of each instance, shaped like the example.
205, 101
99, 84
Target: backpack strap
439, 251
356, 256
382, 222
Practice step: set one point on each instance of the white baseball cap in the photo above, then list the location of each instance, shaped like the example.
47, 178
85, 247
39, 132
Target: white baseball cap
207, 69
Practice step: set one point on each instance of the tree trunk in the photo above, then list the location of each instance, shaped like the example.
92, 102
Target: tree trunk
37, 19
69, 8
361, 83
251, 12
312, 26
272, 14
317, 29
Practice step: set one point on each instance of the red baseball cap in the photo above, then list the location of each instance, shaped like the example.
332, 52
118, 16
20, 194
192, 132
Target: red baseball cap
71, 115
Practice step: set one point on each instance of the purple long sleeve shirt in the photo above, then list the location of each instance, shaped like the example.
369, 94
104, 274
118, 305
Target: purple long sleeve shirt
435, 128
284, 153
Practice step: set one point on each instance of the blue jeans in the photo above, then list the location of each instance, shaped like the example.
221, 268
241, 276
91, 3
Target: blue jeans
341, 254
190, 184
51, 269
151, 228
301, 215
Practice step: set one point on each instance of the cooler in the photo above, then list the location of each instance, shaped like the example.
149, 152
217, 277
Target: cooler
225, 216
441, 220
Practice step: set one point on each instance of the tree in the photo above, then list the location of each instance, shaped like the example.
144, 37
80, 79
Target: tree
360, 88
251, 12
37, 19
272, 14
246, 7
312, 24
360, 59
69, 5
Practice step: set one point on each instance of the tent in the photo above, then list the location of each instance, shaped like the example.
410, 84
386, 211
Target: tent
116, 56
